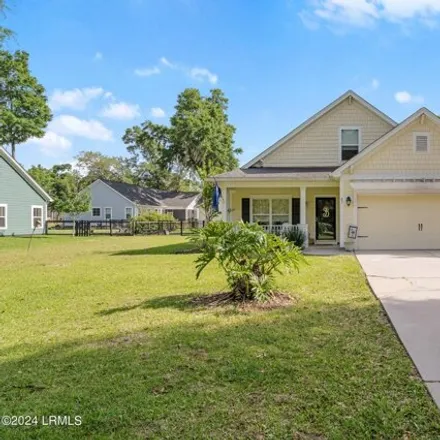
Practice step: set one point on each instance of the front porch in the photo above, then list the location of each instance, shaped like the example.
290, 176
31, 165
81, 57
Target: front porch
311, 206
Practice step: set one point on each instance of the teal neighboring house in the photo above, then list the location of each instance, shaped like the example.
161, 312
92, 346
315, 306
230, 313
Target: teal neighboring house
23, 203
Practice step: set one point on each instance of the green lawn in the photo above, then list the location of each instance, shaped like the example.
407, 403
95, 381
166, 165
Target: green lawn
101, 327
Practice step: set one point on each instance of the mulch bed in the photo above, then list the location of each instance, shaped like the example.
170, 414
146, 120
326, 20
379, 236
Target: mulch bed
220, 299
188, 251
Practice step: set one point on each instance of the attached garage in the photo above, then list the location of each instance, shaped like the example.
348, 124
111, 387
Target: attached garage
398, 222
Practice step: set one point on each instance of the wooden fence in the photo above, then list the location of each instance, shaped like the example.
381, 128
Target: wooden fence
82, 228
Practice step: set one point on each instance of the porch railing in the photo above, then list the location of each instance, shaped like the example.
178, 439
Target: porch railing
281, 229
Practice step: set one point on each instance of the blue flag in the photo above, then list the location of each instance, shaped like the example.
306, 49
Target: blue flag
216, 197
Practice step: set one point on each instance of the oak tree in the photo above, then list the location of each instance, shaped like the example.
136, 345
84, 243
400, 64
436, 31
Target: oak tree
198, 143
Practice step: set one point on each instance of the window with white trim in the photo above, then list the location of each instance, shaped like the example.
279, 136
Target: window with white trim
350, 140
128, 213
270, 211
280, 211
37, 217
96, 212
108, 213
3, 216
421, 142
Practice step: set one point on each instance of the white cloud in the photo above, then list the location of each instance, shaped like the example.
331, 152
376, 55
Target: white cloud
76, 99
201, 74
52, 144
98, 56
108, 95
198, 73
375, 84
405, 97
148, 71
365, 13
403, 9
167, 63
121, 110
71, 125
157, 112
309, 21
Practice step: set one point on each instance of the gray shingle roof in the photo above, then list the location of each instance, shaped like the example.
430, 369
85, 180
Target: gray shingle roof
153, 197
306, 173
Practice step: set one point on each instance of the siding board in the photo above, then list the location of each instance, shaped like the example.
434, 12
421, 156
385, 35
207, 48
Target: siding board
19, 196
319, 144
103, 196
398, 157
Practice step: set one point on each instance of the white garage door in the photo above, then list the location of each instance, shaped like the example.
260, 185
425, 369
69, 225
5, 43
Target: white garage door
399, 222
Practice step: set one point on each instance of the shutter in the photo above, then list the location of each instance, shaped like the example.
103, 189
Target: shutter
246, 210
421, 143
296, 217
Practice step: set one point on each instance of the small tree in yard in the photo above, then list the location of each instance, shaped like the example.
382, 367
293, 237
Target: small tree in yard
78, 204
249, 257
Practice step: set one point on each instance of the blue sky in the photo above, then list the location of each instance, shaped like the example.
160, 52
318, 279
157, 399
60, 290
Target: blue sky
110, 64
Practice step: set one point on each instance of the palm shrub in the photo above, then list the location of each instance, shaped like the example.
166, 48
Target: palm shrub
249, 257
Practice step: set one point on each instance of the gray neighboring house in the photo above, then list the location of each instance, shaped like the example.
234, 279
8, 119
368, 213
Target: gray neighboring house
23, 203
119, 201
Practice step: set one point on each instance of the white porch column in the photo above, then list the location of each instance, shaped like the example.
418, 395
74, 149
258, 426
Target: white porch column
224, 204
230, 205
303, 213
302, 205
341, 214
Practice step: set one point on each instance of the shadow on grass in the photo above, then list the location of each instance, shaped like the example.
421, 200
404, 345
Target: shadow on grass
272, 376
220, 303
34, 237
180, 302
170, 249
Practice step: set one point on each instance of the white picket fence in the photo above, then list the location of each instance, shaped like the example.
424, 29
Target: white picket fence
280, 229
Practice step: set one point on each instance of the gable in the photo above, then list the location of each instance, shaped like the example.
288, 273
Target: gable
292, 139
22, 174
319, 143
15, 189
397, 154
103, 195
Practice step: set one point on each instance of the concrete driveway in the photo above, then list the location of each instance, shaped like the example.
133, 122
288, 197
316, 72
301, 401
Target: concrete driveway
408, 285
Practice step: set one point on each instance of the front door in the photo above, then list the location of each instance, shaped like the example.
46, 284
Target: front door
326, 218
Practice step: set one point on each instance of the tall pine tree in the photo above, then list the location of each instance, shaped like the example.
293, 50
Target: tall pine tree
24, 112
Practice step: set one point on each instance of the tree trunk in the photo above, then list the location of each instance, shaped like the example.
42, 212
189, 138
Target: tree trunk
241, 289
13, 149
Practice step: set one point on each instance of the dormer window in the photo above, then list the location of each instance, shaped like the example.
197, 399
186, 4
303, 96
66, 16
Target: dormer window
421, 142
350, 141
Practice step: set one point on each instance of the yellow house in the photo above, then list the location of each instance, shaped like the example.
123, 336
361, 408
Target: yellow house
349, 175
